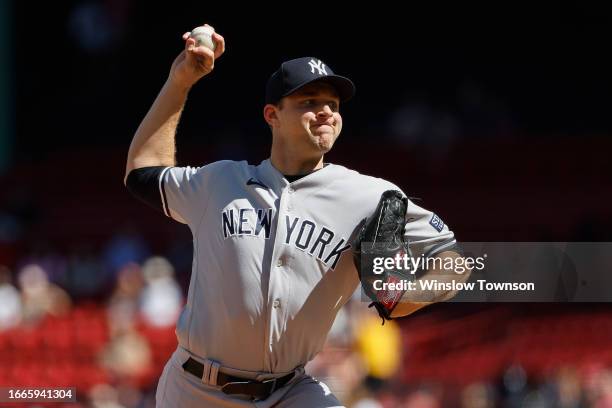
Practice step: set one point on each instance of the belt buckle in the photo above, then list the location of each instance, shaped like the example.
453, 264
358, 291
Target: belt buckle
231, 384
260, 397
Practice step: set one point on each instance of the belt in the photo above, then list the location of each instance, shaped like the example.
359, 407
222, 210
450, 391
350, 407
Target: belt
258, 390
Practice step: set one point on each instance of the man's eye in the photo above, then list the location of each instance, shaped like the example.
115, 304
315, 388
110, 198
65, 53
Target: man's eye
312, 102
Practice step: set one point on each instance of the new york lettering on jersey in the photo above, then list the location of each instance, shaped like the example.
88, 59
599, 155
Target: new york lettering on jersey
247, 221
318, 241
326, 247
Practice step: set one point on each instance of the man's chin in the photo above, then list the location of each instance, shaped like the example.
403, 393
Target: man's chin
324, 142
324, 146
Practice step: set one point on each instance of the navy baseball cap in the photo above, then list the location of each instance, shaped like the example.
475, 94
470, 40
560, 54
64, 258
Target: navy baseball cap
295, 73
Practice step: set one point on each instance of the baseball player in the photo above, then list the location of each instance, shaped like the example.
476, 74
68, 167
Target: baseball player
272, 261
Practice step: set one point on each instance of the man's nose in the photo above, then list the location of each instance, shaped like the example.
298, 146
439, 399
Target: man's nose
326, 111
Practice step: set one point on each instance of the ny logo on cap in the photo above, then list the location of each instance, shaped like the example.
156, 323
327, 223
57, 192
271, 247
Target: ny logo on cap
318, 65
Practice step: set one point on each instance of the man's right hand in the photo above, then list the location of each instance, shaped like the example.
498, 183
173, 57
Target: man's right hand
195, 62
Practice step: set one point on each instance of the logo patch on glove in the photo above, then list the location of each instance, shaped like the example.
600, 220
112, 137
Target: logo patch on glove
390, 298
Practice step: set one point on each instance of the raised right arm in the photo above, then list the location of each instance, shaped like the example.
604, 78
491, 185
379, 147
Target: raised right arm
154, 141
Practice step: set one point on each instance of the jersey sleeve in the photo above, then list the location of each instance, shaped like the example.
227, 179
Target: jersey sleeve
426, 233
184, 191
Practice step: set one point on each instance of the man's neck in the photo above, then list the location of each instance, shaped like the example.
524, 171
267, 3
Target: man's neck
288, 165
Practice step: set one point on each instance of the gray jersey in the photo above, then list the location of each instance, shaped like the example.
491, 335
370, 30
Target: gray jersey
272, 260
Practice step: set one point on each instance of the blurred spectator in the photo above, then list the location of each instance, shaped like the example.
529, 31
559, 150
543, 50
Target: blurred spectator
161, 299
514, 386
345, 372
422, 399
568, 388
478, 395
598, 386
86, 275
104, 396
125, 247
367, 403
54, 264
123, 307
128, 356
380, 348
10, 301
39, 296
129, 396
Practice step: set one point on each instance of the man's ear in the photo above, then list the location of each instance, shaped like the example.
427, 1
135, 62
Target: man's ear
270, 114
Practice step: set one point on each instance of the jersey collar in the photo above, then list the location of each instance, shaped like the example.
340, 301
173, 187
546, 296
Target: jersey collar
276, 180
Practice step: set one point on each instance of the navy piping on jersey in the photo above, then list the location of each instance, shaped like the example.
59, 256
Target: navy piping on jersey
162, 192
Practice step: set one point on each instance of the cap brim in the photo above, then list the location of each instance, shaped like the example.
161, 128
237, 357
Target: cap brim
344, 86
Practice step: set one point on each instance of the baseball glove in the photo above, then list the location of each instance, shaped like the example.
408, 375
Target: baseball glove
381, 236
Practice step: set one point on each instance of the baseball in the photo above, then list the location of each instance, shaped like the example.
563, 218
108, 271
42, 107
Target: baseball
203, 36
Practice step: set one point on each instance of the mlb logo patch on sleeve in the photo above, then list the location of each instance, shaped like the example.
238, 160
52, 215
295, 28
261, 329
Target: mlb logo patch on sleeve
436, 222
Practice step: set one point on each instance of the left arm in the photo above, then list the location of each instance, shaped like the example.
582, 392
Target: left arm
401, 230
414, 300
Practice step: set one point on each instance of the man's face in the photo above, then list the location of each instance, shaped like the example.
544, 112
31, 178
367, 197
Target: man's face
309, 118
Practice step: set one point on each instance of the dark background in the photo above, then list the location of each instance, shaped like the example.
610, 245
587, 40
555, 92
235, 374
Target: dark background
497, 118
88, 70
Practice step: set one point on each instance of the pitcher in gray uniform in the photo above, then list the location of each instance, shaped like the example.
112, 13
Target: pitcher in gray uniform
272, 260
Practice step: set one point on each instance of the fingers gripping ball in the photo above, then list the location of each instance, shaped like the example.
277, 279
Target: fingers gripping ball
381, 236
203, 36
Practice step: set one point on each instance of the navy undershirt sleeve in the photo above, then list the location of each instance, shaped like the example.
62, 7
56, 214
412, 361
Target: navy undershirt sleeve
143, 183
